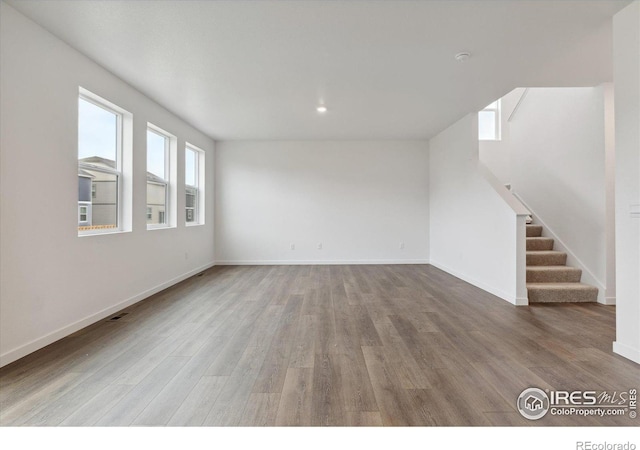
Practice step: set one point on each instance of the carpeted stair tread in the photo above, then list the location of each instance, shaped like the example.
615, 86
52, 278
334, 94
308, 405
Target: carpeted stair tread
561, 292
549, 279
553, 274
546, 258
539, 243
534, 230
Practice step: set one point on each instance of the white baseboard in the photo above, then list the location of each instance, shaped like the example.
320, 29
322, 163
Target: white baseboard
37, 344
286, 262
609, 301
485, 287
627, 351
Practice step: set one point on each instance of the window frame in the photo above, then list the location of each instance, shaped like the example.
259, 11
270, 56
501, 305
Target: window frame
166, 180
198, 209
117, 171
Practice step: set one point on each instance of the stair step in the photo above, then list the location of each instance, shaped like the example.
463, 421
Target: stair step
539, 243
534, 230
553, 274
561, 292
546, 258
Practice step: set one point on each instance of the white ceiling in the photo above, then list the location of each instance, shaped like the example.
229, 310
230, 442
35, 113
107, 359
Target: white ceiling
386, 69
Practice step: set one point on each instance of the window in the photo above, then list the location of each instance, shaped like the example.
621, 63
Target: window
104, 166
194, 184
489, 122
84, 214
158, 186
99, 166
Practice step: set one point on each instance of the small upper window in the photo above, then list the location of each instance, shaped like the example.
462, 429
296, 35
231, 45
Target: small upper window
489, 122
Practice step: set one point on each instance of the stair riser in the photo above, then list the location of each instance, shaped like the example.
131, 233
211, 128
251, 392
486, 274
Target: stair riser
551, 296
546, 260
539, 244
549, 279
534, 230
554, 276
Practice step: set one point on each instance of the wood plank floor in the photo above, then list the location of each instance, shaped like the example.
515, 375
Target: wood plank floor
318, 345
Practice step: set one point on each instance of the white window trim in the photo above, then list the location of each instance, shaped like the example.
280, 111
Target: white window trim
199, 212
118, 171
169, 144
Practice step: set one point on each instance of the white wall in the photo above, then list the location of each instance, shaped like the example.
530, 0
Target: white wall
557, 145
626, 75
610, 192
360, 200
52, 282
474, 233
496, 155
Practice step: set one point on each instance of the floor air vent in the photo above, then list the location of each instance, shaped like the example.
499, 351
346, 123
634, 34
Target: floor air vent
119, 316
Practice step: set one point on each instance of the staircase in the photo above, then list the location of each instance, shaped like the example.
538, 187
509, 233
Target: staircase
549, 279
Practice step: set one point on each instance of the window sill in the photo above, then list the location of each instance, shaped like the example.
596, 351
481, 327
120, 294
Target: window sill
103, 233
194, 224
159, 227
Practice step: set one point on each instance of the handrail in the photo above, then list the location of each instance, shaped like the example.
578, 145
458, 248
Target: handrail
514, 203
524, 94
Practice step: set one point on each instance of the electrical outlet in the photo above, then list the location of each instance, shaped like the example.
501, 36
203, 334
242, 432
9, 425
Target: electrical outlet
401, 245
292, 246
319, 245
186, 255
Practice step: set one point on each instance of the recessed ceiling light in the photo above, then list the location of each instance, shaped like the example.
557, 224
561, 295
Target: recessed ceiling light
321, 109
463, 56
